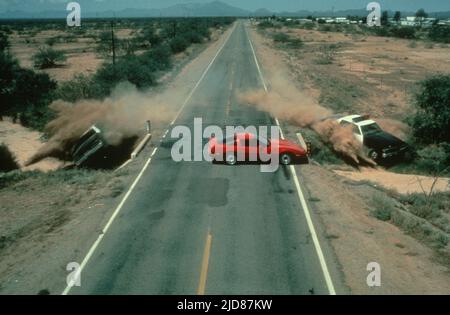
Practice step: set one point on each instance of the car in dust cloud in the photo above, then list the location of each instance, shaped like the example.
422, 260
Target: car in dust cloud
382, 146
92, 150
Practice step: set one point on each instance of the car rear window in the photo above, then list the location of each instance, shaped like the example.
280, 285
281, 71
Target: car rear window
358, 119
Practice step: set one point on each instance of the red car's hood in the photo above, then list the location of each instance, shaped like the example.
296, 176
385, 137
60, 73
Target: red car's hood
288, 145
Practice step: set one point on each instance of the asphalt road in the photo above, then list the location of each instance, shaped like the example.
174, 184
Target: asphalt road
198, 227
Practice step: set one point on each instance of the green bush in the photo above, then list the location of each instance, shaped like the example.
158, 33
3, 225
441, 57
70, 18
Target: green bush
308, 25
48, 58
51, 41
80, 87
326, 54
7, 160
265, 24
296, 43
439, 33
434, 159
158, 58
281, 38
128, 69
193, 37
431, 121
404, 32
4, 41
149, 35
383, 207
178, 44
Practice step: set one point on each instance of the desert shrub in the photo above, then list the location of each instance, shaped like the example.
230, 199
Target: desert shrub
148, 35
24, 94
308, 25
429, 45
4, 41
434, 159
8, 68
158, 58
281, 38
128, 69
327, 54
31, 93
193, 37
7, 159
381, 31
296, 43
420, 229
403, 32
412, 44
265, 24
325, 28
80, 87
51, 41
178, 44
427, 207
431, 121
439, 33
48, 58
382, 207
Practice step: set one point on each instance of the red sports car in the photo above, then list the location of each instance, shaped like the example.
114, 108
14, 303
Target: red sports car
248, 147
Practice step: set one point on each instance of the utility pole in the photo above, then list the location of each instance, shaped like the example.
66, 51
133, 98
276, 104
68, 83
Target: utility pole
113, 41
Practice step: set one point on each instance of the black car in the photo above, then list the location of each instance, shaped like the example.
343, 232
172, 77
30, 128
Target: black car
382, 146
93, 150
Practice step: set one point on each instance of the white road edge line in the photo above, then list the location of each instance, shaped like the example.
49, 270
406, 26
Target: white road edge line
130, 190
301, 197
203, 76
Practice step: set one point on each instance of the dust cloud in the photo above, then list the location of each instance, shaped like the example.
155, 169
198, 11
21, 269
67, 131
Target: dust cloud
286, 102
120, 116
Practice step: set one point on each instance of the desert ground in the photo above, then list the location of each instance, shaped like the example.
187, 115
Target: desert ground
49, 212
343, 198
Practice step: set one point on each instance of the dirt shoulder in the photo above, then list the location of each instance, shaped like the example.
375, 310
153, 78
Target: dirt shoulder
345, 208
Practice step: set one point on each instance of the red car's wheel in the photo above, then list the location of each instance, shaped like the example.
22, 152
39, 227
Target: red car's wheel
285, 159
230, 158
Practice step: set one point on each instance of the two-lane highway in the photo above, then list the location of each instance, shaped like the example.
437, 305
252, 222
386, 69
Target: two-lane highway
198, 227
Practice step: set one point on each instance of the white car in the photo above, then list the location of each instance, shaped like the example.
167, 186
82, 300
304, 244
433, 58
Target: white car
381, 145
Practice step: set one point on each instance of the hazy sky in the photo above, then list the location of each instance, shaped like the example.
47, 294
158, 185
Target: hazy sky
274, 5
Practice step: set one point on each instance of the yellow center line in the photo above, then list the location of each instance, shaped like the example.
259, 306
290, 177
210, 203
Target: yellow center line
205, 263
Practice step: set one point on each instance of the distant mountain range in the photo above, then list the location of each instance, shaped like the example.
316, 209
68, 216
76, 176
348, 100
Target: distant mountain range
213, 9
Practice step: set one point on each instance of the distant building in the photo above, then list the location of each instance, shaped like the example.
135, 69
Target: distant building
444, 22
410, 21
342, 20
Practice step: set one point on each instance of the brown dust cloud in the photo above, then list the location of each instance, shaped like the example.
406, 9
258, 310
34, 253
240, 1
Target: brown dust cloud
287, 103
120, 116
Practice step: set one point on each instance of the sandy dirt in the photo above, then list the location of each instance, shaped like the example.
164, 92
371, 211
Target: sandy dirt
370, 74
407, 266
80, 53
343, 211
402, 183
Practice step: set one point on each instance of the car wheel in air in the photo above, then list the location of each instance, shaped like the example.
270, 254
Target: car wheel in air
285, 159
230, 159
